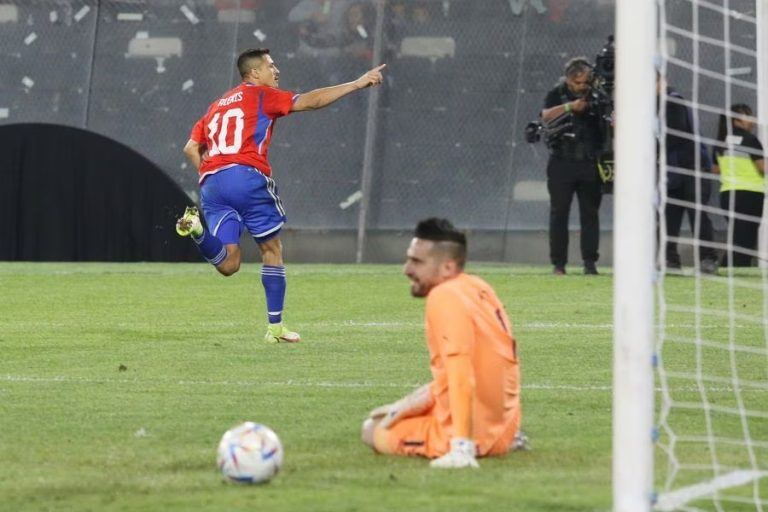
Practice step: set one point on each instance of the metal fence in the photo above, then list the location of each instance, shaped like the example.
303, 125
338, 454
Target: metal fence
445, 136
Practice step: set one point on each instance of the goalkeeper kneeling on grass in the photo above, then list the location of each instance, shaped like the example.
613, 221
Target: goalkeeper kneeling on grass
472, 406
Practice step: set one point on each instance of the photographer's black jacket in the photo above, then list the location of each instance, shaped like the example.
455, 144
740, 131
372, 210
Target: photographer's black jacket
584, 140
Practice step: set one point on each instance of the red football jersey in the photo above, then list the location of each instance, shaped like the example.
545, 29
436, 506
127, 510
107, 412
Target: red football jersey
198, 135
237, 128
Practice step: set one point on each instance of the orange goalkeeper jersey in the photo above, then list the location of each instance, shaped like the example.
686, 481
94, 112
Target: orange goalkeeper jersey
471, 346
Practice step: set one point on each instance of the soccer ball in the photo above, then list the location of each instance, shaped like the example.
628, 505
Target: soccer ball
250, 453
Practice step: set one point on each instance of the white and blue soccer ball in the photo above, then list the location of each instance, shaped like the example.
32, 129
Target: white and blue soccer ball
250, 453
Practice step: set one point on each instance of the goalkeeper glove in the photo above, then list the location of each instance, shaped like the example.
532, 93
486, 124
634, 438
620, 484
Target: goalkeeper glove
462, 455
418, 402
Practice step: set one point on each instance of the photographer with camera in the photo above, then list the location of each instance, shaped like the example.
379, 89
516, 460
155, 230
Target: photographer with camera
573, 163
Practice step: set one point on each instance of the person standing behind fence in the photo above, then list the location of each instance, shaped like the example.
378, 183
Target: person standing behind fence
572, 167
323, 26
683, 177
741, 166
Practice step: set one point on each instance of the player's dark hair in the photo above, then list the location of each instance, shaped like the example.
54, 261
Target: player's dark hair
722, 127
245, 60
447, 238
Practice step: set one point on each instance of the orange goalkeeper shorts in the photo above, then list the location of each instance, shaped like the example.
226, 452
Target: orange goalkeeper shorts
423, 436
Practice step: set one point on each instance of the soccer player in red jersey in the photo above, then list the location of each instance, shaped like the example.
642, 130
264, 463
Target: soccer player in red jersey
229, 147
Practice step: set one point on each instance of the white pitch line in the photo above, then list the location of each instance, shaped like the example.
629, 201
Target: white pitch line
284, 383
27, 325
320, 384
531, 325
543, 326
184, 382
560, 325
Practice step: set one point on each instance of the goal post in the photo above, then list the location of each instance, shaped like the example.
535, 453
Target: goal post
762, 110
690, 384
633, 255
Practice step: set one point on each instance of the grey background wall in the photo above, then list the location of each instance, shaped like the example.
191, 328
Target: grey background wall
448, 120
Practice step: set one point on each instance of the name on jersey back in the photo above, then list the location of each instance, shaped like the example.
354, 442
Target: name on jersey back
238, 96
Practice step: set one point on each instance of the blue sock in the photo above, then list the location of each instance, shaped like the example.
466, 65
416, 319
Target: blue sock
211, 248
273, 279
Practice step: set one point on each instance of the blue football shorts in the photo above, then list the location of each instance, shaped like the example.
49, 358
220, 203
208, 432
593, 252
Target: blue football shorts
239, 198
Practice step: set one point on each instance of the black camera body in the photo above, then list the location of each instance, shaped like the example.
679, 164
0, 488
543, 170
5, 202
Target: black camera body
605, 65
551, 132
533, 132
600, 95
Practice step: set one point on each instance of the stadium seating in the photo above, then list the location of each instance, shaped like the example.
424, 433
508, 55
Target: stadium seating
9, 13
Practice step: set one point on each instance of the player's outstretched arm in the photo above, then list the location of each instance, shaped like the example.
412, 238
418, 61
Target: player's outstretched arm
418, 402
323, 97
194, 152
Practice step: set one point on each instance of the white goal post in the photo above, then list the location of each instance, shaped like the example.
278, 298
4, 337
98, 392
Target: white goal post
690, 382
633, 250
762, 108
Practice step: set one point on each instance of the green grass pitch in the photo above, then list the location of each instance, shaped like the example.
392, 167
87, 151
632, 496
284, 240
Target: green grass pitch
117, 381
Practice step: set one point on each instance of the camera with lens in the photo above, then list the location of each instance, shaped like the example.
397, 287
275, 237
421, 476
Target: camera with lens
601, 105
533, 132
551, 131
600, 96
600, 99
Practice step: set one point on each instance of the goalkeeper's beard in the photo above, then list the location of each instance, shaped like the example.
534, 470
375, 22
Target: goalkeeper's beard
419, 289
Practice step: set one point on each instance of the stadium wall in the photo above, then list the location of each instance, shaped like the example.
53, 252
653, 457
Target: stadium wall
463, 78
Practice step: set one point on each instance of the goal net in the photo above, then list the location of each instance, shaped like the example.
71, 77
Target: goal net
710, 293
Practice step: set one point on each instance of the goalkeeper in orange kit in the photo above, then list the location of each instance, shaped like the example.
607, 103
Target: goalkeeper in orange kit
472, 406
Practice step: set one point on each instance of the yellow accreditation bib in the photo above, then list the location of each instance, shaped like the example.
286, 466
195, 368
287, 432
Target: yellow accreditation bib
737, 169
